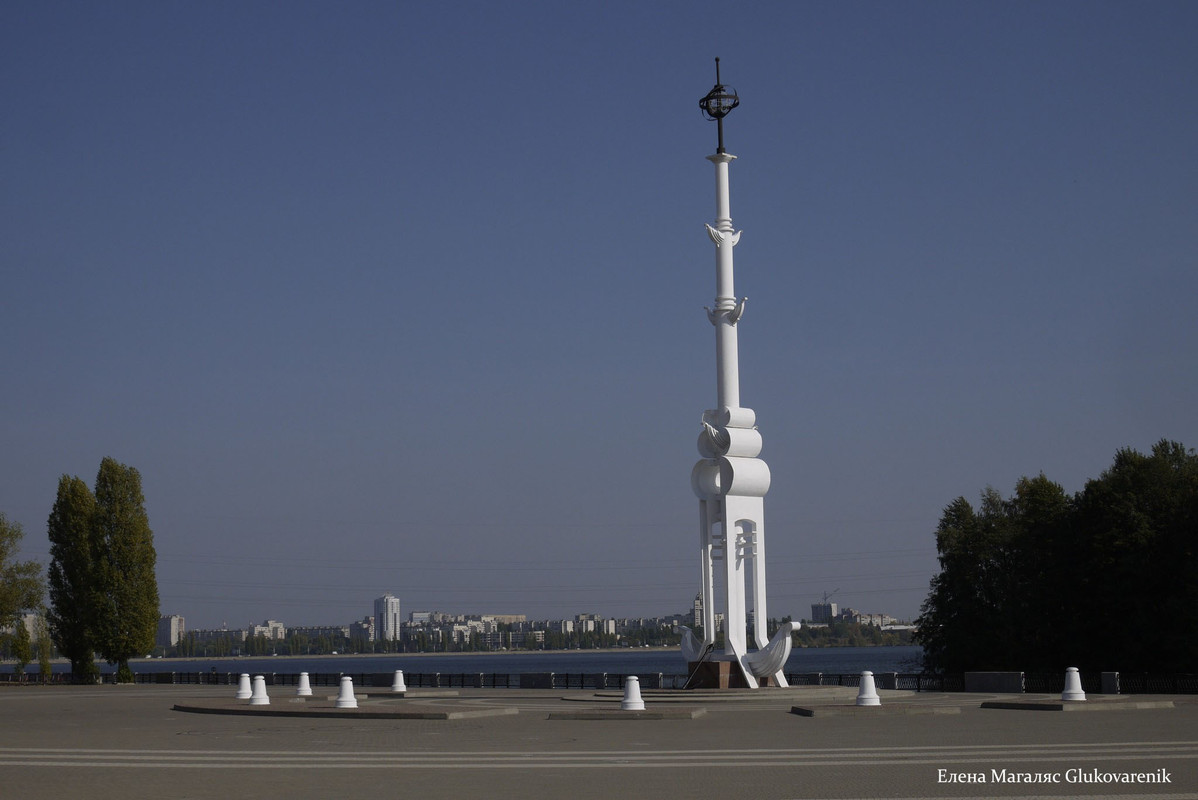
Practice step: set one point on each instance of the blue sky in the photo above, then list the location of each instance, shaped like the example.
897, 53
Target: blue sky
409, 297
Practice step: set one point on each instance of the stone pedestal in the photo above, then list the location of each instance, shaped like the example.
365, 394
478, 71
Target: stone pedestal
716, 675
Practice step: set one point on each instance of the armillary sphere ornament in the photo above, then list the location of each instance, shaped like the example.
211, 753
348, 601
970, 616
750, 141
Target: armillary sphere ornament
717, 103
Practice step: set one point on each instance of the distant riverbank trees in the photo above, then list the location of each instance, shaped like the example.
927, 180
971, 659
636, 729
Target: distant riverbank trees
849, 634
103, 589
209, 644
1106, 579
21, 589
422, 640
21, 586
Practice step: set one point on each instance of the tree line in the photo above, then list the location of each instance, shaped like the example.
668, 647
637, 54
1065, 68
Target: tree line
102, 586
1105, 579
190, 645
849, 634
20, 588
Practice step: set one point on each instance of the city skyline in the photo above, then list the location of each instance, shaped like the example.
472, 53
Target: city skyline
407, 297
419, 611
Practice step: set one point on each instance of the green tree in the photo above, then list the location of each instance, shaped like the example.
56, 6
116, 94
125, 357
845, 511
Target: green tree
22, 648
1043, 581
20, 581
1139, 523
102, 587
186, 646
44, 646
999, 585
957, 613
127, 598
257, 645
1040, 582
72, 576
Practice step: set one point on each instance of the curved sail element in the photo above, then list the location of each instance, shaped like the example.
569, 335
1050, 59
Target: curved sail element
692, 648
768, 661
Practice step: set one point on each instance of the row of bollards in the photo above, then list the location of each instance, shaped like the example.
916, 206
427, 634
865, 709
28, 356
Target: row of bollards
346, 699
256, 693
867, 695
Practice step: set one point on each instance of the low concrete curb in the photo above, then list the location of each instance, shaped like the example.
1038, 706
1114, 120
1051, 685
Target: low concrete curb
872, 711
302, 709
1085, 705
616, 714
320, 698
814, 694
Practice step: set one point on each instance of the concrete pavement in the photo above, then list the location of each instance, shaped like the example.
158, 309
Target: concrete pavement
128, 742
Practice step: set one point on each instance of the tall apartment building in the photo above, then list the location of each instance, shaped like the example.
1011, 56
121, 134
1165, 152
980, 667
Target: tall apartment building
823, 612
170, 630
386, 617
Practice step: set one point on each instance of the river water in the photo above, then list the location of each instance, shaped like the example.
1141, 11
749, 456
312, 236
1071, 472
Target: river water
830, 660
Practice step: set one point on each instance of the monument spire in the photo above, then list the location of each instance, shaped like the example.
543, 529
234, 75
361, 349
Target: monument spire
729, 480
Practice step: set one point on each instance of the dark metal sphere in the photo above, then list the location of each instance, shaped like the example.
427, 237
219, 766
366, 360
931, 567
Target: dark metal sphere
719, 101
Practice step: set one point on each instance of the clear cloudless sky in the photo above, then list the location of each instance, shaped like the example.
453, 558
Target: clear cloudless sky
409, 297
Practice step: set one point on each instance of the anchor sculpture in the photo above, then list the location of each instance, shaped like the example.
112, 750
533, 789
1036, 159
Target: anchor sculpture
730, 480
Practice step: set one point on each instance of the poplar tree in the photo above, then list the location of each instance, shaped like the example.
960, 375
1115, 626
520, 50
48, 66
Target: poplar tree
126, 597
72, 576
103, 590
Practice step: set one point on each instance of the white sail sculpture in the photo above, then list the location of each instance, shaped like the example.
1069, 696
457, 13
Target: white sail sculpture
730, 480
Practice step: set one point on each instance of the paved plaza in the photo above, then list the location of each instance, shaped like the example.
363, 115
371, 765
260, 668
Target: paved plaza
130, 742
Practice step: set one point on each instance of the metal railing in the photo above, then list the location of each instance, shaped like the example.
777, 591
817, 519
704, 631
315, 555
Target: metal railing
1034, 682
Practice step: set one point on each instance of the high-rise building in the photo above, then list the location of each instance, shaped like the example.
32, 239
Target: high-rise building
170, 630
824, 612
386, 618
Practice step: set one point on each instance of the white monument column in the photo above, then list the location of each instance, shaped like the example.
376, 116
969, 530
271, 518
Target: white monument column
730, 480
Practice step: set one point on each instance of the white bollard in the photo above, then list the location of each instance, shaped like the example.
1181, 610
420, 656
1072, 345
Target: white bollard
259, 697
346, 699
867, 695
398, 686
1073, 686
243, 687
305, 686
632, 695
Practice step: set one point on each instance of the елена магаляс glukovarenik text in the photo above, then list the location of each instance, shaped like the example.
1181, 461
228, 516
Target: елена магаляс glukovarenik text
1068, 776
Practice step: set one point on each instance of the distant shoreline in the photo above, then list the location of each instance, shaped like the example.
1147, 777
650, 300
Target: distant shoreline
467, 653
438, 654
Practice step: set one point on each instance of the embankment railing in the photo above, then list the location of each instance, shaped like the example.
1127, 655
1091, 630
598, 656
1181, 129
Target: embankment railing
1033, 682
